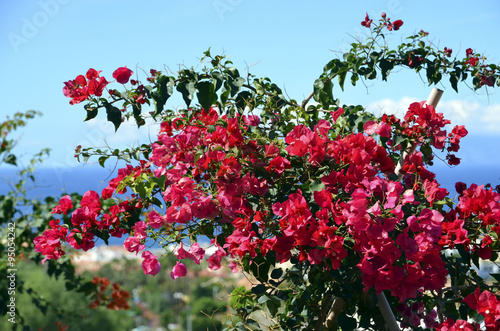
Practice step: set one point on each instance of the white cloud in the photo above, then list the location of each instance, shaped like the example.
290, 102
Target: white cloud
100, 130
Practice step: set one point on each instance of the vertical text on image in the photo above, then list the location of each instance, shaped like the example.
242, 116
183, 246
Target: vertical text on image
11, 272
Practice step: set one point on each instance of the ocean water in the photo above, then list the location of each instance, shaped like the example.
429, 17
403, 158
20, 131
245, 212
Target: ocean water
60, 181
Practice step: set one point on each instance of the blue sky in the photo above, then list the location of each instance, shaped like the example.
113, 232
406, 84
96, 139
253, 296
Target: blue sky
44, 43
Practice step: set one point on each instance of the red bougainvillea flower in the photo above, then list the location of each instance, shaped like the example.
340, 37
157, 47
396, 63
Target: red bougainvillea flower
486, 80
397, 24
150, 265
367, 22
122, 75
488, 305
447, 51
49, 243
469, 52
179, 270
155, 220
64, 205
133, 244
473, 61
195, 253
81, 88
459, 325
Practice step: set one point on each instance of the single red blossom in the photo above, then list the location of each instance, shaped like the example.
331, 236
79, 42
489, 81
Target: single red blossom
179, 270
472, 61
49, 243
122, 74
140, 230
96, 87
279, 164
486, 304
486, 241
336, 114
486, 80
155, 220
459, 325
397, 24
367, 22
195, 253
85, 242
64, 205
460, 187
150, 265
251, 120
133, 244
447, 51
414, 60
452, 159
433, 192
92, 73
469, 52
485, 253
215, 259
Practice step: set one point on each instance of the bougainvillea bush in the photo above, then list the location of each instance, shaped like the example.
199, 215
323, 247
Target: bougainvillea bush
305, 196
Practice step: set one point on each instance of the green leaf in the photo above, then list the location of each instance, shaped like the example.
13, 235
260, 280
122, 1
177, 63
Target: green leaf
259, 289
239, 297
354, 79
475, 259
316, 186
426, 151
342, 75
187, 89
496, 276
454, 81
102, 160
243, 99
226, 91
137, 107
163, 92
323, 92
206, 94
91, 112
263, 299
347, 322
277, 273
400, 139
236, 84
219, 79
233, 72
386, 66
10, 159
114, 115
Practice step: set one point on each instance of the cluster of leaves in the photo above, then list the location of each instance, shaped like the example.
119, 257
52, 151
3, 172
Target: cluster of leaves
306, 198
21, 219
